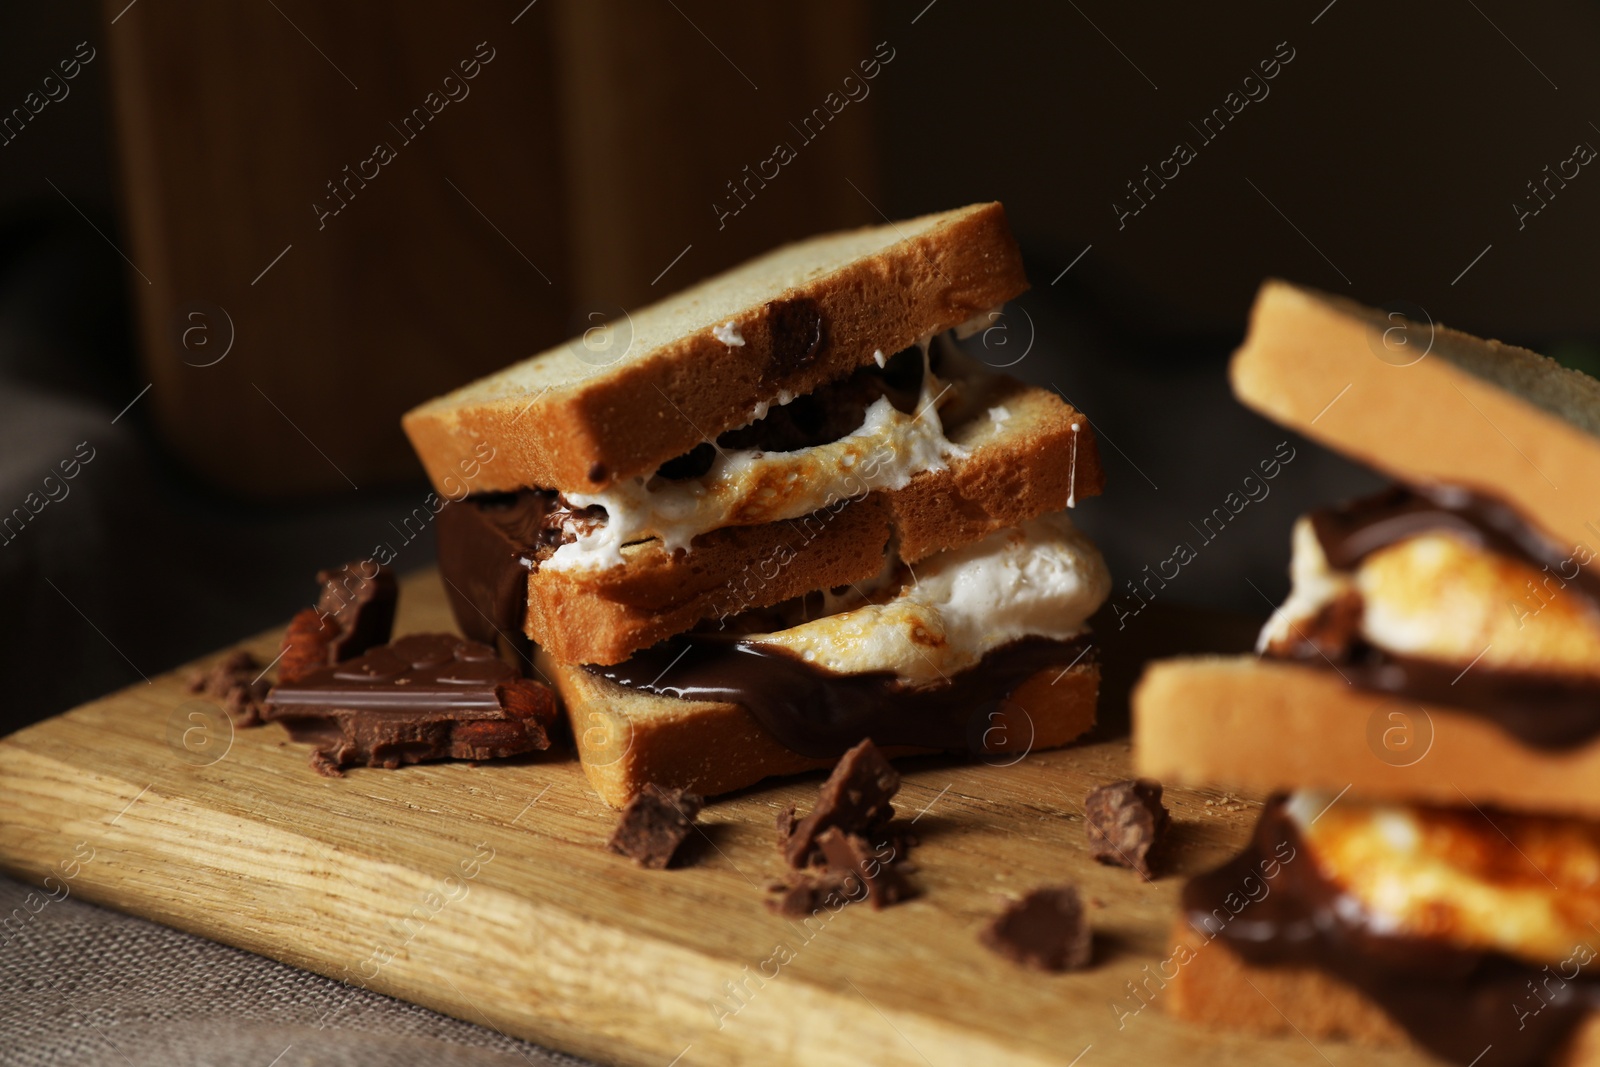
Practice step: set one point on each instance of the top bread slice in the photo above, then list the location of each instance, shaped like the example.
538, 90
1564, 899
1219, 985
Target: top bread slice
660, 380
1426, 404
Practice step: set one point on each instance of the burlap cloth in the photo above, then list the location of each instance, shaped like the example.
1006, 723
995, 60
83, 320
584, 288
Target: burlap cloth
86, 986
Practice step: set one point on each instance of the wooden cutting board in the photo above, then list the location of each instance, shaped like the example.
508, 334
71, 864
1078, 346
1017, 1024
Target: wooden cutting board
485, 892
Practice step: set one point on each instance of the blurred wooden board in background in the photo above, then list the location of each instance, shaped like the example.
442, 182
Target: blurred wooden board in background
486, 892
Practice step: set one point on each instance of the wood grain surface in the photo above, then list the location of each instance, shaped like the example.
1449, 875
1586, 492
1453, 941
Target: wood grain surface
486, 892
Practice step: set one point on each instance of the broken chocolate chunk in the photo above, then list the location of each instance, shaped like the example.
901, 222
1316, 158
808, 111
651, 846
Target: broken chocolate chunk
1046, 930
361, 605
806, 894
846, 849
1126, 823
354, 612
855, 798
424, 697
798, 334
787, 821
850, 854
235, 682
307, 645
654, 824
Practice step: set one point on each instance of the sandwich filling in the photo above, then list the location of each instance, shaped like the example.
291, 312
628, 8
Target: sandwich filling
922, 659
1041, 579
1450, 598
789, 461
1471, 929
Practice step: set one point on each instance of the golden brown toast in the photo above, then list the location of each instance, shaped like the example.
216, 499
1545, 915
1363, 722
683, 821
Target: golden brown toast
1427, 404
650, 387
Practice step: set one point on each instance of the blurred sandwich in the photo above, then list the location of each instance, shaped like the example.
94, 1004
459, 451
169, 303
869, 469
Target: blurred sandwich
781, 512
1429, 692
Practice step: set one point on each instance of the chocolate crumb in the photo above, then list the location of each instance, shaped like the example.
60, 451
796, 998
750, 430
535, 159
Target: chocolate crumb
654, 824
1126, 823
597, 472
787, 820
234, 681
806, 894
1045, 930
855, 798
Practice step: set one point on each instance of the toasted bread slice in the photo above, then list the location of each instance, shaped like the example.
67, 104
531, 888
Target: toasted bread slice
655, 384
626, 737
1218, 989
1426, 404
1267, 725
1032, 463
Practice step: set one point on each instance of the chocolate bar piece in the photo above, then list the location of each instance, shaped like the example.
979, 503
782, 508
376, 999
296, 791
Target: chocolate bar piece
855, 798
1046, 930
654, 824
424, 697
354, 612
1126, 823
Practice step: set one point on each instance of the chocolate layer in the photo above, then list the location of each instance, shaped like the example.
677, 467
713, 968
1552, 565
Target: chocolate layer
1454, 1001
821, 714
1541, 709
486, 546
1352, 531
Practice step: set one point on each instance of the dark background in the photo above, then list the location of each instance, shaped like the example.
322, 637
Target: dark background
1384, 161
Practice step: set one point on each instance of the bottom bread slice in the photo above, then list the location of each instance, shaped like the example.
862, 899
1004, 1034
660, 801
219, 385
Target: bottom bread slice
1216, 988
626, 738
1242, 722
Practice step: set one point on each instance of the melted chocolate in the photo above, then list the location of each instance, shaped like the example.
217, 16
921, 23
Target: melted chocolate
821, 714
1352, 531
1539, 708
1454, 1001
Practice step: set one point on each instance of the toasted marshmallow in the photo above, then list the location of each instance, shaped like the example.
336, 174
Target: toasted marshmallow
1313, 586
751, 486
1042, 579
1526, 886
1437, 596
